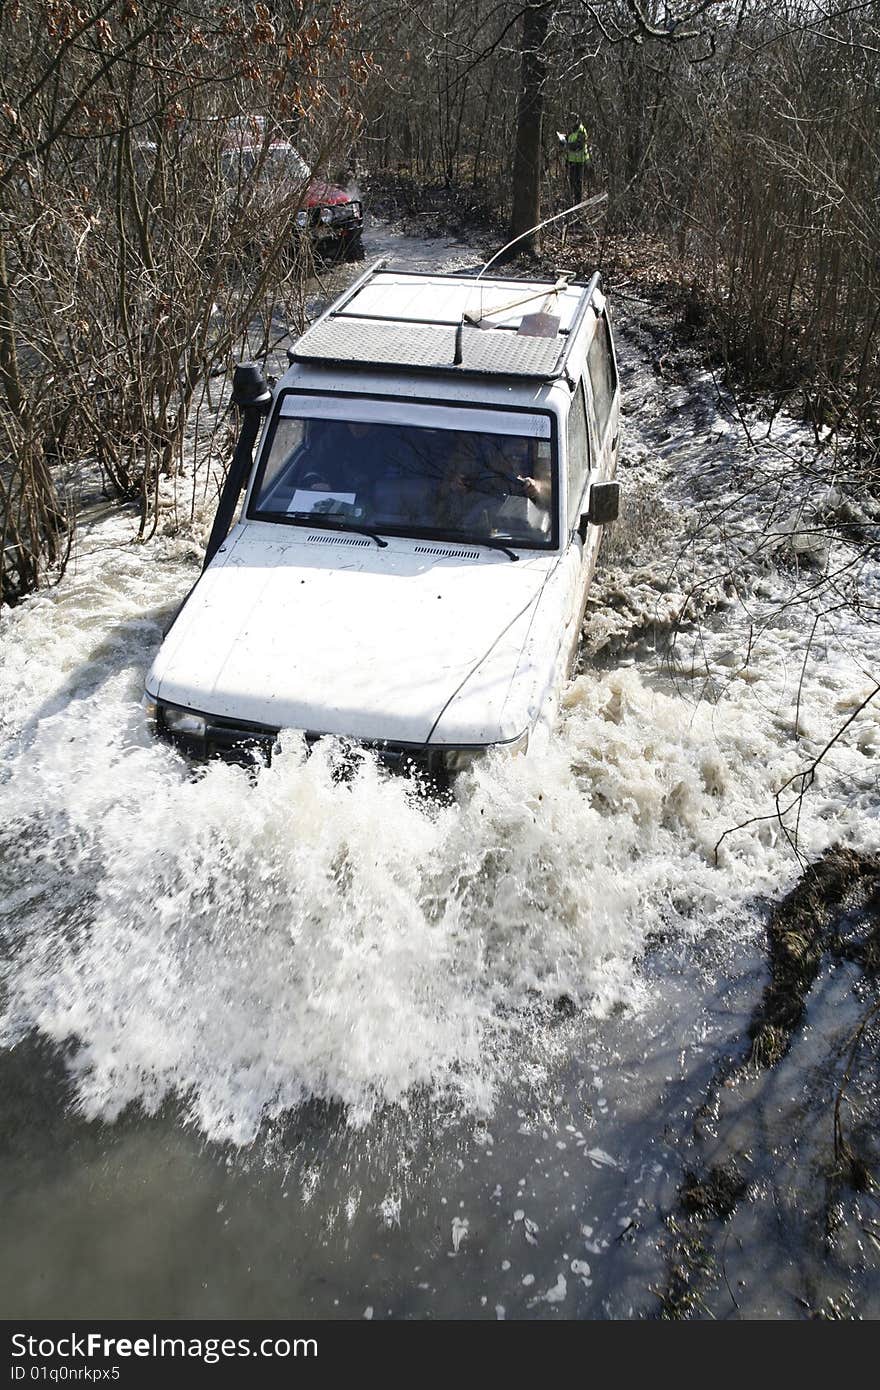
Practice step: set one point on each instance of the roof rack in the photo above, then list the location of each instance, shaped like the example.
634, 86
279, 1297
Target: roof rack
370, 338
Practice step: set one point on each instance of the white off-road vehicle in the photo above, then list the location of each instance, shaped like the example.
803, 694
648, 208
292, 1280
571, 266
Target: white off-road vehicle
410, 566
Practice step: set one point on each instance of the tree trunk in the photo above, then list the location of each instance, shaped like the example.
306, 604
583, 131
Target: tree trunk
529, 127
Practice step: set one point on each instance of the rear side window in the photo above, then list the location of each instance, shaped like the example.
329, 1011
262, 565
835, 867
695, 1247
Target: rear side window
603, 374
578, 455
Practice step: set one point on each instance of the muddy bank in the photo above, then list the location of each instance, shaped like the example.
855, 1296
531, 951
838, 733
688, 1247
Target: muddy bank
815, 1176
834, 910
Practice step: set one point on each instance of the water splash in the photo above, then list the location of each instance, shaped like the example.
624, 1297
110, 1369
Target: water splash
247, 943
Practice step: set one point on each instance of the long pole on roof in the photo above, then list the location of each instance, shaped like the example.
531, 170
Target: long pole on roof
577, 207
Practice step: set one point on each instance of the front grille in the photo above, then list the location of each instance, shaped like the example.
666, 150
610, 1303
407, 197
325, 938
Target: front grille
342, 215
237, 740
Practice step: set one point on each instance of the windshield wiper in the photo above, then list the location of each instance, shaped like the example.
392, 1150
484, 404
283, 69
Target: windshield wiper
501, 543
330, 523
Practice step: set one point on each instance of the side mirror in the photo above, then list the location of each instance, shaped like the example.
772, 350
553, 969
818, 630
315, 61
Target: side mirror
604, 506
604, 503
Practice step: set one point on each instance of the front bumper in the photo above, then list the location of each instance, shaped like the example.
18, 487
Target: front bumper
206, 736
346, 221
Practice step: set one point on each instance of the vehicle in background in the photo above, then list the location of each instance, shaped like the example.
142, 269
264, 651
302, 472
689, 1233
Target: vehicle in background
334, 219
411, 564
331, 217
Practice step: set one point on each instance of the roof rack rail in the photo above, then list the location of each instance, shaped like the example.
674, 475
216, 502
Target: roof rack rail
593, 284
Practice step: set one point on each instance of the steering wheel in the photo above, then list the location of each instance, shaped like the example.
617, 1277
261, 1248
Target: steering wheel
308, 480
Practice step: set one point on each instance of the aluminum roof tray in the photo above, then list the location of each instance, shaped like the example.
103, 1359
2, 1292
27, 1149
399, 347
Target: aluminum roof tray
448, 323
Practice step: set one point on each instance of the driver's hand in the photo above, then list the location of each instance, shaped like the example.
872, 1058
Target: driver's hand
530, 488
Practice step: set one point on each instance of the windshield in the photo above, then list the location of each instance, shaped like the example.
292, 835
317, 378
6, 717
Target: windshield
278, 162
454, 484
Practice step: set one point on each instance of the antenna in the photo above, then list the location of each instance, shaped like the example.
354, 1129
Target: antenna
578, 207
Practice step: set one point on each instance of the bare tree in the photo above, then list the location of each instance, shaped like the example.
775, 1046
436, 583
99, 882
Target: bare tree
147, 212
529, 158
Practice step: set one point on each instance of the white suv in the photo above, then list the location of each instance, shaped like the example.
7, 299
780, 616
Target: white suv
410, 566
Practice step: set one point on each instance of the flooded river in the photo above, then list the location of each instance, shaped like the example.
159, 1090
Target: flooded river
292, 1047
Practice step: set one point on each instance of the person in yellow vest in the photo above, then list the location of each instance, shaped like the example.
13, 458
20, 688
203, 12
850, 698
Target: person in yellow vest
577, 157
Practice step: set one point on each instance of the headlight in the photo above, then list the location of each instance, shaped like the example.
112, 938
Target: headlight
149, 706
302, 218
326, 215
183, 721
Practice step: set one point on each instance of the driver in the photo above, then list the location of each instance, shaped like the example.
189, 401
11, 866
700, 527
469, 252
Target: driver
538, 484
462, 503
525, 466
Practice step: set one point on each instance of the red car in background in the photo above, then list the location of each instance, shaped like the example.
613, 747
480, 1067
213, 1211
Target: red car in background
333, 217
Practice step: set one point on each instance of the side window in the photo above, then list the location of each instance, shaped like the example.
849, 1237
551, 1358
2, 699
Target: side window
578, 450
603, 374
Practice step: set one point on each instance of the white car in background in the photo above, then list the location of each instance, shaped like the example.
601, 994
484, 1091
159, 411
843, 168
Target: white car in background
410, 567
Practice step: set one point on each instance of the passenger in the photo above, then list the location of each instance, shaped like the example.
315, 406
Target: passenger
344, 451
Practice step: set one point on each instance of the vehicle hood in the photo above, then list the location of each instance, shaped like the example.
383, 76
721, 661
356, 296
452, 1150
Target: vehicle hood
342, 637
326, 194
